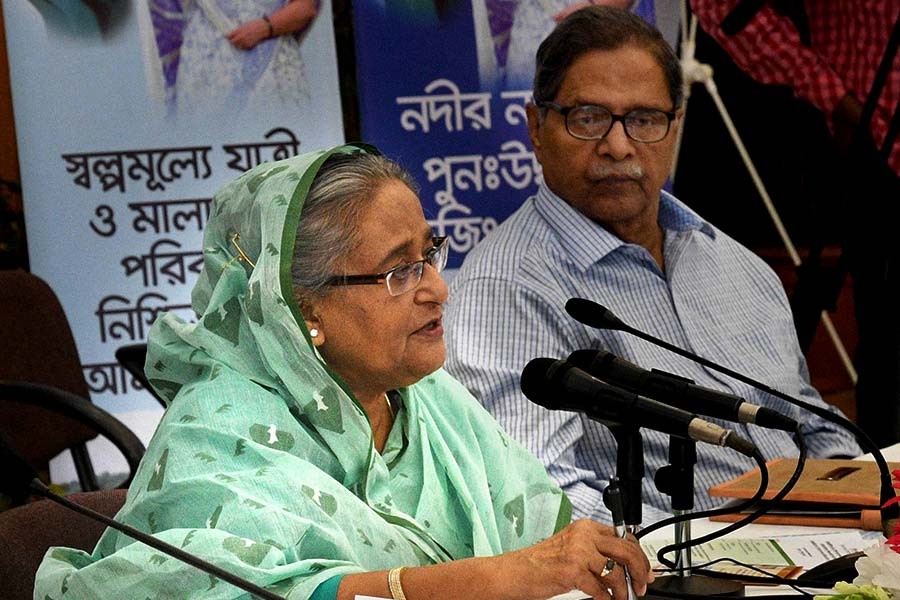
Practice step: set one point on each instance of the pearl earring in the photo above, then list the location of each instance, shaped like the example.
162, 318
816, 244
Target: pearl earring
313, 332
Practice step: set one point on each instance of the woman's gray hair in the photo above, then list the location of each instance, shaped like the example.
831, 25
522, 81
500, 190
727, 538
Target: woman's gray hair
329, 225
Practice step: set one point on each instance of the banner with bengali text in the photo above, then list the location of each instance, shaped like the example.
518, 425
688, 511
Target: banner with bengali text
129, 116
446, 97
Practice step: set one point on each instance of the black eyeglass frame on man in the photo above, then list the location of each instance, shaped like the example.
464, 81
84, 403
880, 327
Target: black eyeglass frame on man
656, 130
403, 278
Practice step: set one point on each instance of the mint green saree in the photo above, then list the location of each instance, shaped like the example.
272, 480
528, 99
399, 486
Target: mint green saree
264, 463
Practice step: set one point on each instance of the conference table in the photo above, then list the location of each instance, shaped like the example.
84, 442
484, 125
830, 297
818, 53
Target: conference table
805, 543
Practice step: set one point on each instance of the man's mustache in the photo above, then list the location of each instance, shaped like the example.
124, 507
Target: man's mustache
628, 170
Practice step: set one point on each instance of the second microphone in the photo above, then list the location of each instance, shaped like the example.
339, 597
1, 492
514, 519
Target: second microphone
558, 385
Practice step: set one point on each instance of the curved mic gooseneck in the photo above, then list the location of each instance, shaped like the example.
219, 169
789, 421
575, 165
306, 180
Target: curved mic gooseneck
598, 316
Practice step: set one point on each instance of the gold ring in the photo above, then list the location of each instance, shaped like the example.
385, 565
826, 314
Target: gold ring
610, 565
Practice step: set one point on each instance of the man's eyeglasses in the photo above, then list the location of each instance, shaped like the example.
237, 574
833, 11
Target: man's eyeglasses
406, 277
593, 122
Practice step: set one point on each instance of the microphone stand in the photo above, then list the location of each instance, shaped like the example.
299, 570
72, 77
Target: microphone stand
677, 480
629, 471
595, 315
889, 514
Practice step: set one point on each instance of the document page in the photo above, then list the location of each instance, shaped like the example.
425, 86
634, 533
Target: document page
761, 553
786, 557
811, 551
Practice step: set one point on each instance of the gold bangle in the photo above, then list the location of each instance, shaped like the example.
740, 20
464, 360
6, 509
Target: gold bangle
394, 584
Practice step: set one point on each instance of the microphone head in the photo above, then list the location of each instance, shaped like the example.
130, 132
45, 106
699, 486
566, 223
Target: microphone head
542, 383
537, 381
594, 315
590, 361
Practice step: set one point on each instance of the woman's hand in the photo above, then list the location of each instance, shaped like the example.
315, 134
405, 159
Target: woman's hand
292, 18
575, 558
247, 35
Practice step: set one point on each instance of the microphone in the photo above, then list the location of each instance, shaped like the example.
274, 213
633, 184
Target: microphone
594, 315
557, 385
598, 316
678, 391
21, 481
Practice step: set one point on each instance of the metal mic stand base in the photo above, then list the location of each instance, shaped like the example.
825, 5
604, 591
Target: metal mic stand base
692, 586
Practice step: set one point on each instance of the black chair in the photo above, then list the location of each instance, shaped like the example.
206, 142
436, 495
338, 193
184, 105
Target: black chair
44, 399
26, 532
132, 358
57, 408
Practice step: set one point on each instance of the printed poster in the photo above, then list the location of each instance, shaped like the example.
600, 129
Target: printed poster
130, 115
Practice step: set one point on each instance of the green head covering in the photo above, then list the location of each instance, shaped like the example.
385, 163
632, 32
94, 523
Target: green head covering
264, 463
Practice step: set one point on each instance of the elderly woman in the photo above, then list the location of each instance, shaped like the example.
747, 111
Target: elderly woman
312, 443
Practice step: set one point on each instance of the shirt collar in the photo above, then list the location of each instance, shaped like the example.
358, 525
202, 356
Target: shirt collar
587, 242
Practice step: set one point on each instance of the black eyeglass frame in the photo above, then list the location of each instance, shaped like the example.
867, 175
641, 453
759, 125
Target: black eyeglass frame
565, 110
439, 243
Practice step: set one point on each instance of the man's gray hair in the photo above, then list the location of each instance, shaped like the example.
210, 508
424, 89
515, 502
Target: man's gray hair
329, 225
600, 28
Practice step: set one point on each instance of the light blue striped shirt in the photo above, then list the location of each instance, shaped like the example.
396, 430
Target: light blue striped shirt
716, 299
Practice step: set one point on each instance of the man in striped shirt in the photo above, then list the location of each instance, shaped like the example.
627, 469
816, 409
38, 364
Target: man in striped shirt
606, 109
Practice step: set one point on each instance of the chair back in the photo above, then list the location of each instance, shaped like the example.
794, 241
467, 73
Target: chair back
37, 341
26, 532
37, 346
132, 358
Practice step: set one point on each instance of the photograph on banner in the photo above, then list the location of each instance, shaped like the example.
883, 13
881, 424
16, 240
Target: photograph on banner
225, 55
129, 117
447, 96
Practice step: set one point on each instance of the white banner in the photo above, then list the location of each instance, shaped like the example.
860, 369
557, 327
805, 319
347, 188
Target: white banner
129, 116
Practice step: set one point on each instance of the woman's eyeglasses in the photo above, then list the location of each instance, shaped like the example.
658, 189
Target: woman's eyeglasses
404, 278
